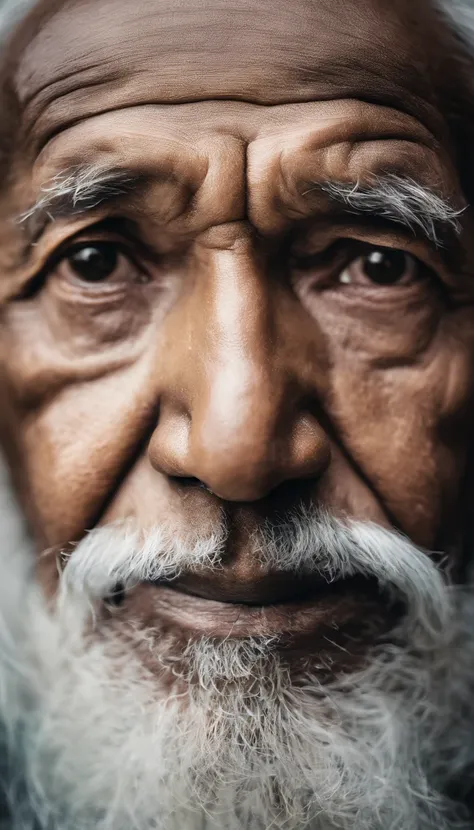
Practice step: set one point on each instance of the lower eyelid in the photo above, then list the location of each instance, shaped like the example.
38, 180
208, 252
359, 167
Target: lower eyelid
96, 292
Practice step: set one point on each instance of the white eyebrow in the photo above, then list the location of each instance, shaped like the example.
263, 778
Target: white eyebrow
77, 190
398, 199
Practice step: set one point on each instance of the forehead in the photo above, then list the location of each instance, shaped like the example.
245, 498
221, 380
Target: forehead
84, 58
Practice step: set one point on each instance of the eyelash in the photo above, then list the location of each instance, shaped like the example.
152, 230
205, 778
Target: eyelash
336, 256
341, 253
108, 231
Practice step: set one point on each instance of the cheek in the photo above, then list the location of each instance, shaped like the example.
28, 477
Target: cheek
399, 401
81, 375
57, 339
408, 444
79, 445
382, 326
86, 462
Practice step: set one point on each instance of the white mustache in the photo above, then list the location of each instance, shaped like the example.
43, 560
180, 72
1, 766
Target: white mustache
310, 543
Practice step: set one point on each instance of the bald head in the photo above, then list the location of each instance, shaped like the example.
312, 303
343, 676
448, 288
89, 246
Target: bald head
313, 50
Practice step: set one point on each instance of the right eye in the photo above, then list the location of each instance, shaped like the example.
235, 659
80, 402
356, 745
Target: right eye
97, 262
94, 263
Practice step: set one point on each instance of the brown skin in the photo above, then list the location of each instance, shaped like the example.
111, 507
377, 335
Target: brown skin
229, 363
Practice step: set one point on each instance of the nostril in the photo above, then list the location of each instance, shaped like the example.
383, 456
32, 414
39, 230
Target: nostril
185, 481
291, 495
190, 481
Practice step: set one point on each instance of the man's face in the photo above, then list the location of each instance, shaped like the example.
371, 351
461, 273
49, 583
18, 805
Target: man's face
226, 303
224, 336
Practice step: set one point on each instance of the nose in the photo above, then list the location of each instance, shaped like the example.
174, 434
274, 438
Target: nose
234, 410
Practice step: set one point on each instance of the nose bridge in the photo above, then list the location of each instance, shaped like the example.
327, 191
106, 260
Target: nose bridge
232, 410
241, 372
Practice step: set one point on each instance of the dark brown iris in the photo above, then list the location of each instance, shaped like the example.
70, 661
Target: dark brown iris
384, 266
94, 263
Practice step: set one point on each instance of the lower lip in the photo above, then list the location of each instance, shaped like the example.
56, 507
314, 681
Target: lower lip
340, 605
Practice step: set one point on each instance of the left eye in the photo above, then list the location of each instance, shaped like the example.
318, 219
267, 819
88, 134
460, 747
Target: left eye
97, 262
381, 266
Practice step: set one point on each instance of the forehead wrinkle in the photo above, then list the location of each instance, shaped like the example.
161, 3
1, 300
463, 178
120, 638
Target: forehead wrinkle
368, 125
272, 63
73, 109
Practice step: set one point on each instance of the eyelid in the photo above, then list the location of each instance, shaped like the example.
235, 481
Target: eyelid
379, 226
61, 255
386, 235
114, 231
103, 231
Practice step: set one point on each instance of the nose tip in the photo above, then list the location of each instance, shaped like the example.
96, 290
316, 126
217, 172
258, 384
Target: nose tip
241, 441
232, 479
246, 465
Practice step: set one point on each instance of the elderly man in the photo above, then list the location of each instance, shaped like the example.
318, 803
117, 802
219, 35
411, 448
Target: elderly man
237, 382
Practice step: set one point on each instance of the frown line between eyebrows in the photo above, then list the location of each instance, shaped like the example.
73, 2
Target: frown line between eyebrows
392, 197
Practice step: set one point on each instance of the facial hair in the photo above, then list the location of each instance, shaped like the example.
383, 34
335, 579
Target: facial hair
222, 733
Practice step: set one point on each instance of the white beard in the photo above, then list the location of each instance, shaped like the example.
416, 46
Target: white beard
226, 738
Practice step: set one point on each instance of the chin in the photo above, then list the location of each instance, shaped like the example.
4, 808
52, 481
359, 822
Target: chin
128, 701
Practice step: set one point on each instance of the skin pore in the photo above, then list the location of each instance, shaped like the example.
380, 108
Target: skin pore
223, 367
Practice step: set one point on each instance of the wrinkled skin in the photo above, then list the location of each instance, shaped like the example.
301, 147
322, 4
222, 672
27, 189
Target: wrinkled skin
228, 363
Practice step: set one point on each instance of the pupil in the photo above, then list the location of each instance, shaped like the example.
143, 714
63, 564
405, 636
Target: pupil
94, 262
385, 267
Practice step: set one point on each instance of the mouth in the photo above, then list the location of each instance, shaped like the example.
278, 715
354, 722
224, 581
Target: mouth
287, 607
